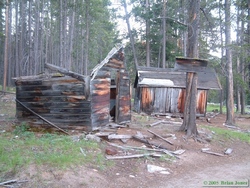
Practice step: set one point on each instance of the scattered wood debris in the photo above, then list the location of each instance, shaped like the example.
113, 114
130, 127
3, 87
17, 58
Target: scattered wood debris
153, 169
10, 182
117, 136
135, 156
160, 137
206, 150
165, 122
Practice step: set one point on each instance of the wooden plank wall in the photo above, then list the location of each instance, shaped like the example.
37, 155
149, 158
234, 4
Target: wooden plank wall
123, 98
166, 100
61, 100
100, 98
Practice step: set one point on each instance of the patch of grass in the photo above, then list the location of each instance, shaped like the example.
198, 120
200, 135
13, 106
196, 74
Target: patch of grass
230, 134
8, 89
213, 107
21, 148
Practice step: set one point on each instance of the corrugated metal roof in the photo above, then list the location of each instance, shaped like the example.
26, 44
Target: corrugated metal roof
159, 77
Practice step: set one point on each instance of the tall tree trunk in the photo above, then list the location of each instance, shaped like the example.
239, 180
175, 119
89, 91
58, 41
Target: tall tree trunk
82, 63
6, 45
238, 103
72, 28
193, 28
164, 35
229, 79
242, 69
147, 36
17, 63
42, 33
61, 34
21, 39
222, 53
29, 34
189, 121
86, 60
248, 41
130, 33
10, 52
36, 40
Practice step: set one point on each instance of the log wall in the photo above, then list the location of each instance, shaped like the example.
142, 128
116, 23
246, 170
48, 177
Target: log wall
60, 100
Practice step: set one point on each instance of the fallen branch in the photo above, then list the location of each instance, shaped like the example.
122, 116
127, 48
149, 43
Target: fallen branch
160, 137
164, 121
42, 117
151, 144
8, 182
115, 136
155, 123
213, 153
134, 156
168, 152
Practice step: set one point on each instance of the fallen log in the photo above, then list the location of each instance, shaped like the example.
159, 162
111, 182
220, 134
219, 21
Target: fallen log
42, 117
151, 144
134, 156
160, 137
212, 153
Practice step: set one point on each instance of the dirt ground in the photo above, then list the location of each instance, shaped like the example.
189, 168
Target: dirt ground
193, 168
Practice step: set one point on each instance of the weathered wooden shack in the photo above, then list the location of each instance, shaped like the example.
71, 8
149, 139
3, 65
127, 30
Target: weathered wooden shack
73, 101
161, 91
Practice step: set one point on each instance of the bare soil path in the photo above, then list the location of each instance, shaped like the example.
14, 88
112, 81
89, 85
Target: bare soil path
193, 168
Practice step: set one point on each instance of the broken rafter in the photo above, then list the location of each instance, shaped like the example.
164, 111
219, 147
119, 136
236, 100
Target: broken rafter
105, 61
66, 72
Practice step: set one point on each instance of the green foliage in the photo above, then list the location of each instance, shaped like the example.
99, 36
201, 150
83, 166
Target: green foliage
153, 15
215, 107
230, 134
22, 148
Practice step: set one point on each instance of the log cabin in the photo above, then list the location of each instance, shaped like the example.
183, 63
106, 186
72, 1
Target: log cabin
69, 100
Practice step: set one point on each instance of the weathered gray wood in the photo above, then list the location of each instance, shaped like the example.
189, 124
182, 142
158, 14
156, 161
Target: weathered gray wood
156, 123
117, 136
62, 98
123, 102
42, 117
51, 104
66, 72
134, 156
168, 152
213, 153
105, 61
160, 137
